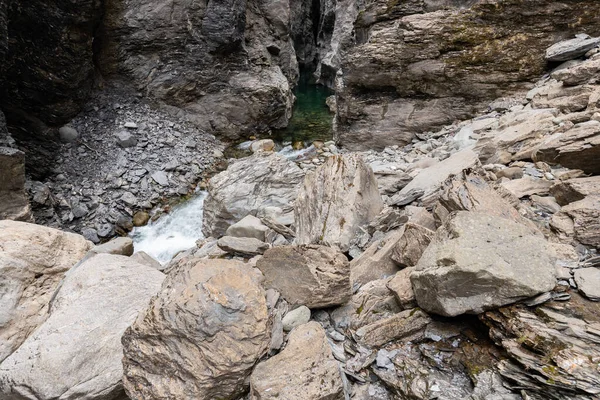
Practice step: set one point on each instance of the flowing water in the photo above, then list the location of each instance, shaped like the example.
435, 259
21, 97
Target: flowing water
172, 232
182, 227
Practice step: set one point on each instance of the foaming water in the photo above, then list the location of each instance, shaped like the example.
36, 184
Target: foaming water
179, 230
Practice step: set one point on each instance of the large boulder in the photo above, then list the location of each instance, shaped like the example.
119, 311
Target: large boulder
304, 370
583, 219
576, 189
577, 148
33, 260
76, 353
336, 199
249, 186
477, 262
312, 275
200, 336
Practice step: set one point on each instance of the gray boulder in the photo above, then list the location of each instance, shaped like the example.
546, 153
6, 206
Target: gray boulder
76, 353
125, 138
248, 227
68, 134
588, 282
248, 187
315, 276
478, 262
572, 48
304, 370
336, 199
242, 246
200, 336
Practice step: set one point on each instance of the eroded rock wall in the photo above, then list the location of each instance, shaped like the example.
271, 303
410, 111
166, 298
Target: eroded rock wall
406, 67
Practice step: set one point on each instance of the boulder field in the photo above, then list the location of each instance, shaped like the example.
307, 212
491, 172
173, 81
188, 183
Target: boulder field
459, 263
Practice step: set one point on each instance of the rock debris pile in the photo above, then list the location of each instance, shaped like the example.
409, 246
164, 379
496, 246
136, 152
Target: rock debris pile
463, 265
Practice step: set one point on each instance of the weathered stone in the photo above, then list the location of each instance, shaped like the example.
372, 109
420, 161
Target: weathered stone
304, 370
144, 258
242, 246
588, 282
377, 261
14, 203
527, 186
572, 48
577, 148
248, 187
296, 317
426, 184
406, 325
510, 173
161, 178
68, 134
312, 275
546, 204
33, 260
77, 351
578, 74
262, 145
551, 349
372, 302
125, 139
141, 218
171, 353
336, 199
477, 262
249, 227
401, 286
121, 246
572, 190
585, 217
411, 245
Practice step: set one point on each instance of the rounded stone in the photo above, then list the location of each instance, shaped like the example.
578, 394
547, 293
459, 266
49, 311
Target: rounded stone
296, 317
68, 134
140, 218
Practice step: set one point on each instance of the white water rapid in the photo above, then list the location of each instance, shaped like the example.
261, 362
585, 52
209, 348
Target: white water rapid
179, 230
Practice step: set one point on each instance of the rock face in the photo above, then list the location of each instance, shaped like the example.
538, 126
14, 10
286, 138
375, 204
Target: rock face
476, 262
33, 260
249, 186
335, 201
50, 47
14, 203
314, 276
305, 369
77, 352
171, 353
230, 65
436, 52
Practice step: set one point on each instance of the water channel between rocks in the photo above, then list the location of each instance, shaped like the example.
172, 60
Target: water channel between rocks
182, 226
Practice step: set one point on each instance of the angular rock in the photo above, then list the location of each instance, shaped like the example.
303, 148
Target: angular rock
572, 190
588, 282
477, 262
305, 369
372, 302
426, 184
14, 203
161, 178
377, 261
577, 148
242, 246
336, 199
527, 186
572, 48
120, 246
551, 349
144, 258
312, 275
248, 227
578, 74
169, 352
401, 286
125, 139
296, 317
406, 325
248, 187
33, 260
411, 245
77, 351
585, 217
